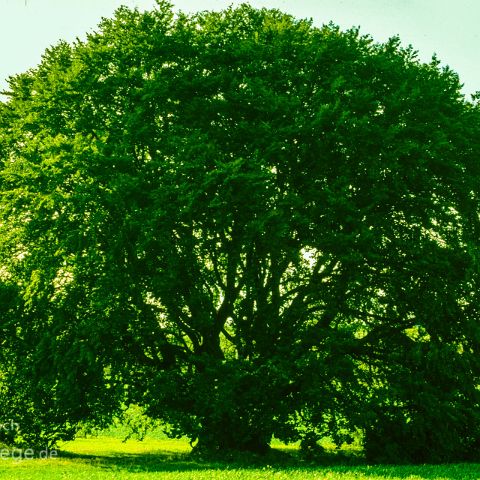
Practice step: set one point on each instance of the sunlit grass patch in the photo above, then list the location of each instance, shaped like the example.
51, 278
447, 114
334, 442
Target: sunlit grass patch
105, 446
108, 457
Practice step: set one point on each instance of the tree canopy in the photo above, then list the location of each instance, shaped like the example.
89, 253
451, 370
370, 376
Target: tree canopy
247, 225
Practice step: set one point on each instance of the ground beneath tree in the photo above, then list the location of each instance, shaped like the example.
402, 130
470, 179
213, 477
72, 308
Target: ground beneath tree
103, 457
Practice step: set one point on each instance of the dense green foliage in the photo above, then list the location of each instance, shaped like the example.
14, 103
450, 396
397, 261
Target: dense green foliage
248, 226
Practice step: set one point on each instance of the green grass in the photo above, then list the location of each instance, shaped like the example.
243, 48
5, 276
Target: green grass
107, 457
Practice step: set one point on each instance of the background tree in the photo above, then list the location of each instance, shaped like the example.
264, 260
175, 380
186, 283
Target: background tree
250, 227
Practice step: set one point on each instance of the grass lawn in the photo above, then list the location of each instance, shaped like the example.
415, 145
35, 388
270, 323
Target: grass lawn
107, 457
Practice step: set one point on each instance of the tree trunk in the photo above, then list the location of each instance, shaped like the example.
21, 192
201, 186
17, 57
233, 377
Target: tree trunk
228, 434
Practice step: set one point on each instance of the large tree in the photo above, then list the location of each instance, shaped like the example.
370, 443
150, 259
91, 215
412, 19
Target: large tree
250, 227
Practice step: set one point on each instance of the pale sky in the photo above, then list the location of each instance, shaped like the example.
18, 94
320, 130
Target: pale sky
449, 28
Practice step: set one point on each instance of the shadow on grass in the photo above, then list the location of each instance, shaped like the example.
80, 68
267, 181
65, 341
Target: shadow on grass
339, 463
